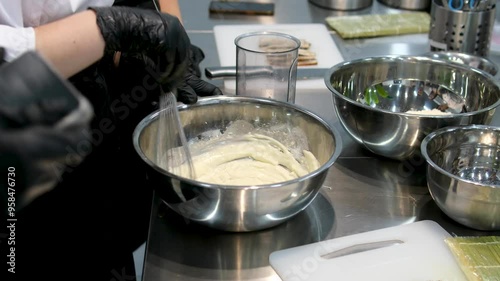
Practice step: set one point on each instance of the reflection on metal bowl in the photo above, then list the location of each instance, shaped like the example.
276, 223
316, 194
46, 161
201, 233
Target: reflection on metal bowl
474, 61
230, 250
396, 84
240, 208
463, 174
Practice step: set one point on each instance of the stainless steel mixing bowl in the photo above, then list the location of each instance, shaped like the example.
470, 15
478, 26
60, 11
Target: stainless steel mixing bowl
239, 208
383, 125
463, 173
407, 4
343, 5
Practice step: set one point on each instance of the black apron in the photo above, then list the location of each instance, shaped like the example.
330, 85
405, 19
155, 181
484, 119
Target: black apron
89, 225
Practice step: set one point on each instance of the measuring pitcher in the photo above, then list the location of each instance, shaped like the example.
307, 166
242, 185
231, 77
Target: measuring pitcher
266, 65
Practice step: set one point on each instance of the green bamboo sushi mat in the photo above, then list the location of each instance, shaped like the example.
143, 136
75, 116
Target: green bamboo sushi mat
479, 257
380, 25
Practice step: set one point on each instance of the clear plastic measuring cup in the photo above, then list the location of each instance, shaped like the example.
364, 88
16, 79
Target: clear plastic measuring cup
266, 65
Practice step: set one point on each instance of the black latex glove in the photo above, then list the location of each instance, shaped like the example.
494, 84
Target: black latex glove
44, 125
193, 86
155, 36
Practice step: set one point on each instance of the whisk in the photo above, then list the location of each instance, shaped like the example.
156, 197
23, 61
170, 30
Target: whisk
172, 150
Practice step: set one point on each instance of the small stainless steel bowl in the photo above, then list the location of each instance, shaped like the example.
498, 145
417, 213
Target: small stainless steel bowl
239, 208
463, 173
407, 4
474, 61
384, 127
343, 5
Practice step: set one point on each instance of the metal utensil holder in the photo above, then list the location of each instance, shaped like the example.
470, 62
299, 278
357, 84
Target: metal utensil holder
467, 31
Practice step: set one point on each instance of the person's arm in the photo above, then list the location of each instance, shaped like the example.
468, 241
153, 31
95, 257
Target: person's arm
72, 43
193, 85
170, 7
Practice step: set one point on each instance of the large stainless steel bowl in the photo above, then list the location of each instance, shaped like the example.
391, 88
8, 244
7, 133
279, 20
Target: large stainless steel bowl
239, 208
384, 127
463, 173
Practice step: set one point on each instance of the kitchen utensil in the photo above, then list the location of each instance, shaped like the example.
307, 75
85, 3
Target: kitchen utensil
383, 126
172, 147
215, 72
407, 4
462, 5
467, 31
322, 44
411, 252
343, 5
462, 167
362, 247
281, 59
240, 208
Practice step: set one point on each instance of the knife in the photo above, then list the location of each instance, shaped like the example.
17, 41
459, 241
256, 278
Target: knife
215, 72
364, 247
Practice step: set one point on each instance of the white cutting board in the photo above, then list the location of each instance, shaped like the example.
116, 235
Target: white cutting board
424, 256
322, 44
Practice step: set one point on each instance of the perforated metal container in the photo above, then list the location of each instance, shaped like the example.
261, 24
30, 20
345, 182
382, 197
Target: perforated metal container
467, 31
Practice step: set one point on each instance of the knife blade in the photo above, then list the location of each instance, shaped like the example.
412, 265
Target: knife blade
217, 72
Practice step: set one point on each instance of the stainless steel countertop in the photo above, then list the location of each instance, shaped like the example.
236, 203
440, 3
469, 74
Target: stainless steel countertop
362, 192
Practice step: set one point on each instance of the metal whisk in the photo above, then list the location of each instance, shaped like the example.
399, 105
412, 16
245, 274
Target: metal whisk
172, 151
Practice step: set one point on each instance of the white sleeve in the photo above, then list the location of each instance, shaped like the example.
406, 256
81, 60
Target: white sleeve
16, 40
18, 17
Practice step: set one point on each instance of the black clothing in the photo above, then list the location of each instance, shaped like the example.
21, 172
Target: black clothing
88, 226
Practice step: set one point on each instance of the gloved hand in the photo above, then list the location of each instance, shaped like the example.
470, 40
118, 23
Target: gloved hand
154, 36
44, 125
193, 86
